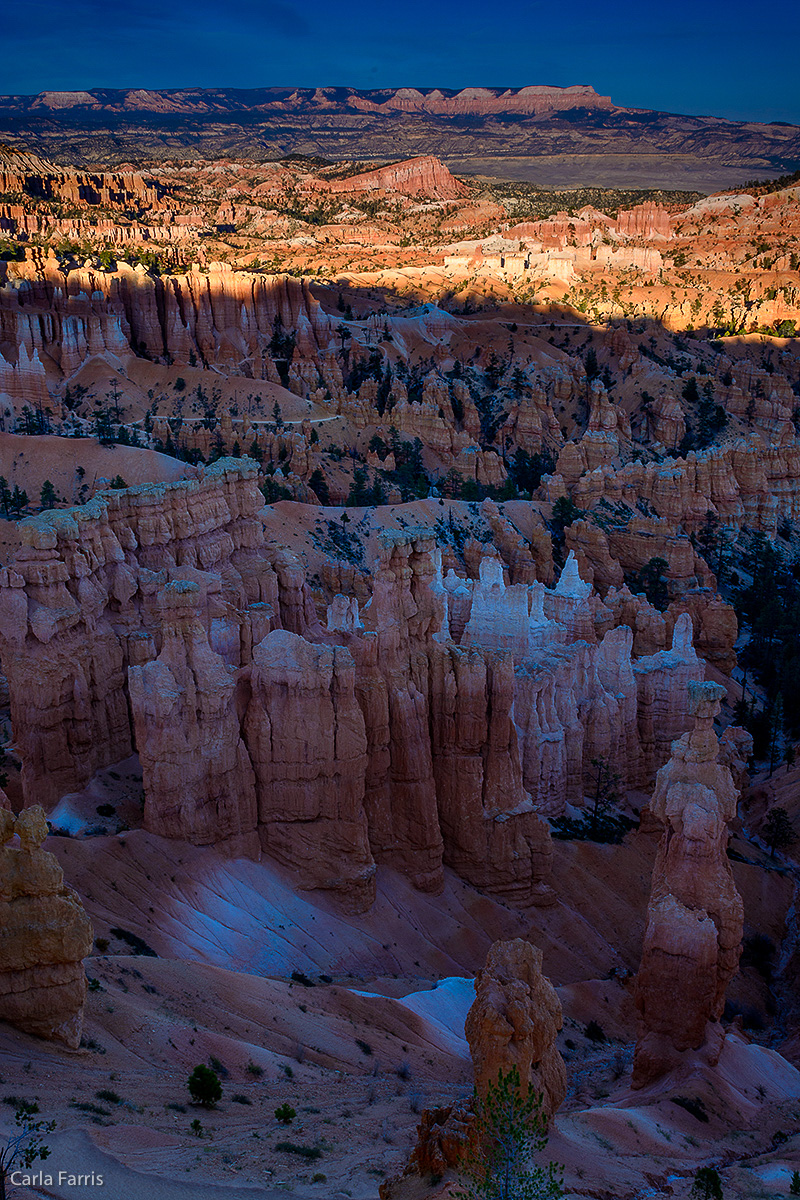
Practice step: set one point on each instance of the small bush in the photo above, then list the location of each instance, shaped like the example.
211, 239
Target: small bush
318, 1177
88, 1107
707, 1184
287, 1070
239, 1098
218, 1066
301, 977
794, 1186
105, 810
176, 1107
607, 829
364, 1047
94, 985
204, 1086
309, 1152
196, 1128
102, 944
255, 1070
285, 1114
109, 1096
594, 1032
693, 1105
138, 945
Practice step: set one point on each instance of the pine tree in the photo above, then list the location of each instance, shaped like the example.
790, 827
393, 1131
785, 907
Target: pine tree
47, 497
606, 792
19, 499
778, 831
707, 1184
509, 1128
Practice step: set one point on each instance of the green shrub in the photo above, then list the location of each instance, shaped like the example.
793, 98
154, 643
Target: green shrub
204, 1086
285, 1114
309, 1152
707, 1184
693, 1105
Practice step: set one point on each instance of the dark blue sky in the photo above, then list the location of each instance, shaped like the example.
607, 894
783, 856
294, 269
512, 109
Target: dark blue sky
721, 57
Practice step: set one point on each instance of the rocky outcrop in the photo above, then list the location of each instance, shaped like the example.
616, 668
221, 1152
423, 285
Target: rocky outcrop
198, 780
662, 680
44, 934
407, 610
492, 836
514, 1022
694, 919
424, 176
305, 735
80, 604
443, 1137
25, 172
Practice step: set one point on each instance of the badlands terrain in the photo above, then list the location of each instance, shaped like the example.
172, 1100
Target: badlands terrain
398, 571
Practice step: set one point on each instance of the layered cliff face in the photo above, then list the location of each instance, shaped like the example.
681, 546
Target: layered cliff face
24, 172
161, 618
514, 1022
426, 176
44, 934
392, 687
492, 836
305, 734
695, 915
198, 780
80, 604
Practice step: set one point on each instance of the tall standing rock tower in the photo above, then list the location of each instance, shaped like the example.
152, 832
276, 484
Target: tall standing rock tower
694, 919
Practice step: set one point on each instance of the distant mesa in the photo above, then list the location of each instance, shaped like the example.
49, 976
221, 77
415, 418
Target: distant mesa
467, 101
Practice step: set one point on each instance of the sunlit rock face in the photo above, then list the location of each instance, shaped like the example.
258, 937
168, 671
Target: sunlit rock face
695, 915
44, 934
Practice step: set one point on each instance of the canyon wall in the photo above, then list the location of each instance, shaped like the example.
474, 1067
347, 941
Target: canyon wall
160, 618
